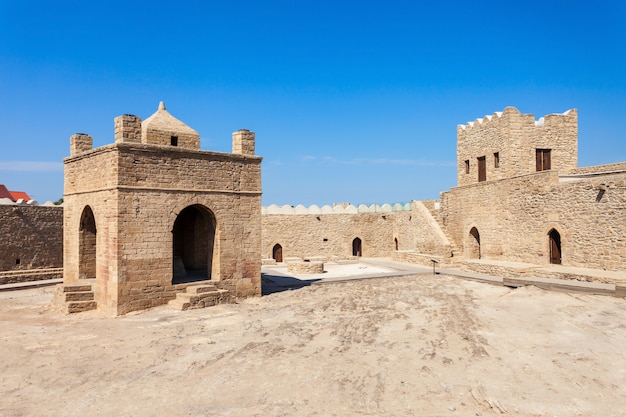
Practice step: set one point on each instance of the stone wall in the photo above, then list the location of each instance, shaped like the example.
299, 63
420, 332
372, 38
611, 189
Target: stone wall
411, 227
514, 216
31, 237
331, 235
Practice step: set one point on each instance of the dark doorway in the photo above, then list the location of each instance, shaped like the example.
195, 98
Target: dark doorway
555, 247
395, 242
482, 169
87, 245
277, 253
356, 247
194, 241
474, 244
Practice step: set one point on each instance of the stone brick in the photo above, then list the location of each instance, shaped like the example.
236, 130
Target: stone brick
142, 193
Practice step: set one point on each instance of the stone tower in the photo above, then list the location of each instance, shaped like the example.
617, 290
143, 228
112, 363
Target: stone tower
509, 144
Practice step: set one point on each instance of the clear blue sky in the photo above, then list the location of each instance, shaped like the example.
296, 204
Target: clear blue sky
352, 101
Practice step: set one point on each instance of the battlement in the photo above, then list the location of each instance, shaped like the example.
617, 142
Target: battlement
513, 115
335, 209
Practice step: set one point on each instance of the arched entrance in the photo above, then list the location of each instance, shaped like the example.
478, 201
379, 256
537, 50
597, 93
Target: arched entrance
277, 253
87, 245
554, 239
474, 244
356, 247
194, 244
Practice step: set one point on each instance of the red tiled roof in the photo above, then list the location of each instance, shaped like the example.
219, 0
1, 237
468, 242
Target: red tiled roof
13, 195
4, 193
20, 194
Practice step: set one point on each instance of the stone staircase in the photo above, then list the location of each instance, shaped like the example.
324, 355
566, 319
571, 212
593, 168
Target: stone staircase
74, 298
200, 296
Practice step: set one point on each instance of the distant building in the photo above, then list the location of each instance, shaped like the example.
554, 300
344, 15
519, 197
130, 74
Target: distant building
13, 195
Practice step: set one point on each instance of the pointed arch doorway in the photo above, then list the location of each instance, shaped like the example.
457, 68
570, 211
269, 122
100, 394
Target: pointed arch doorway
87, 245
474, 244
554, 240
277, 253
194, 245
357, 249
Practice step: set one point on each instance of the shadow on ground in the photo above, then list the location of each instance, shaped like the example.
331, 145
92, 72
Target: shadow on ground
271, 284
191, 276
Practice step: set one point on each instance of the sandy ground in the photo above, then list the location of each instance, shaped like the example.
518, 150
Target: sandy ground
404, 346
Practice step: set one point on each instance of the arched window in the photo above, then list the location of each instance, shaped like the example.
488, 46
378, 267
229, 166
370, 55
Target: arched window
87, 245
395, 242
474, 244
194, 244
357, 250
554, 240
277, 253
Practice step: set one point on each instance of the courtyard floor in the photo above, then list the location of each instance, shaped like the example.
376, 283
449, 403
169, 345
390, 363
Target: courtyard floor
417, 345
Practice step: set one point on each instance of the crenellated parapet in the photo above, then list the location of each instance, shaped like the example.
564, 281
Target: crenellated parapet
336, 209
508, 144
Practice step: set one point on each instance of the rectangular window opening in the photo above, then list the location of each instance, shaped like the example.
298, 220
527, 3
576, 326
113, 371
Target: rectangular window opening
482, 169
467, 166
544, 161
496, 160
174, 141
17, 261
325, 240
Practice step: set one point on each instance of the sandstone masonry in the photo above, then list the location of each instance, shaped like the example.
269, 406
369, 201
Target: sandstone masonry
151, 214
521, 198
31, 243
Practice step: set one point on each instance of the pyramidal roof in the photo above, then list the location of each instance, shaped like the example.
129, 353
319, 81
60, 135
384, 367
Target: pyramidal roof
162, 120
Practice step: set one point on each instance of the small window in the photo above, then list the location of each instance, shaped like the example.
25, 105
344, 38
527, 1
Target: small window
543, 159
17, 261
467, 166
174, 141
325, 240
496, 160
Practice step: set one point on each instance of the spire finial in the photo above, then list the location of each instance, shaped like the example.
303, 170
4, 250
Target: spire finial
161, 106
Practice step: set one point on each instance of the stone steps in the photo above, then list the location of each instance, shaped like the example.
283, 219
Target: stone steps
200, 296
74, 298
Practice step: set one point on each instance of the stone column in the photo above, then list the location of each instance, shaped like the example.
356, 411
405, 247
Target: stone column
243, 142
128, 128
79, 143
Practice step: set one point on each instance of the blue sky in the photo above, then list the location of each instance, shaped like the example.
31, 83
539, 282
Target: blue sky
353, 101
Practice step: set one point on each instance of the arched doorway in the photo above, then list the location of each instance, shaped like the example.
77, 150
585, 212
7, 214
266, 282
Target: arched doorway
554, 239
395, 242
277, 253
356, 247
194, 244
87, 245
474, 244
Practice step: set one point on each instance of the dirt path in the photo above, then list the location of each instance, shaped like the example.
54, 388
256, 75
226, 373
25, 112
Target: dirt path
427, 346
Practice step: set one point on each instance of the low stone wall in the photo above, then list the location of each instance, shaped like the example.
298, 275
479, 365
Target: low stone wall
499, 268
14, 277
413, 257
304, 267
